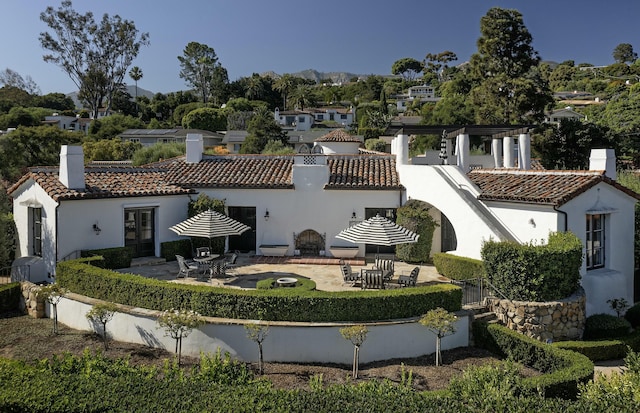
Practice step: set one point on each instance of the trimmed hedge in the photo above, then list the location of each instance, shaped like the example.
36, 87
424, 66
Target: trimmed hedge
603, 349
9, 297
169, 249
633, 316
605, 326
458, 268
113, 258
535, 272
278, 304
563, 369
302, 284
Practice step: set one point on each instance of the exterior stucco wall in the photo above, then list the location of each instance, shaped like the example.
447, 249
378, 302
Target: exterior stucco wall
615, 280
424, 183
286, 342
528, 222
307, 207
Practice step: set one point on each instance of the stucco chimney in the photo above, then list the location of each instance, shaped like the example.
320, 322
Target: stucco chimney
524, 151
400, 148
603, 160
195, 147
72, 167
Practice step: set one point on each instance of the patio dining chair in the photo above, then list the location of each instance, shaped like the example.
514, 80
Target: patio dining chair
409, 280
348, 276
372, 278
186, 267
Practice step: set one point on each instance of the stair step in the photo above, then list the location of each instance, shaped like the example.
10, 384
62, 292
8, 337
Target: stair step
487, 317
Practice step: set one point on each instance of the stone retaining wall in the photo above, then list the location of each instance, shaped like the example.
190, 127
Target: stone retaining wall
552, 320
30, 303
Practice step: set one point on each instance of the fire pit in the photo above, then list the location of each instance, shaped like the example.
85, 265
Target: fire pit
286, 282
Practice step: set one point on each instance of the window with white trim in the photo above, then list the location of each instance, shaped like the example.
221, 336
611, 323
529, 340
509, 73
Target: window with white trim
595, 253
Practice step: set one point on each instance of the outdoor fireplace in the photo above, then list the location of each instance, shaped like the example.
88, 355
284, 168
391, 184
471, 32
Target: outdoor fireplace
309, 242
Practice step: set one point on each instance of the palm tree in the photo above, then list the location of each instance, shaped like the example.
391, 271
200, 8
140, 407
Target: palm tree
136, 74
284, 85
303, 96
255, 87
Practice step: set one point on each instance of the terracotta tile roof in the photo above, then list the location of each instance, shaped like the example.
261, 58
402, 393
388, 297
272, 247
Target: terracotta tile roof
338, 135
105, 183
538, 187
274, 171
363, 172
233, 171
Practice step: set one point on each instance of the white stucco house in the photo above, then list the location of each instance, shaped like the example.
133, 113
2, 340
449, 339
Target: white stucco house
297, 204
556, 116
421, 93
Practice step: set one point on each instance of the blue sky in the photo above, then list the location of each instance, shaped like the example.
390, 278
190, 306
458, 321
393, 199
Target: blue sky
287, 36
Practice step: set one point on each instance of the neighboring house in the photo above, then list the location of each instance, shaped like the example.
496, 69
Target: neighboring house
303, 120
559, 114
150, 137
70, 123
234, 139
299, 120
423, 94
299, 203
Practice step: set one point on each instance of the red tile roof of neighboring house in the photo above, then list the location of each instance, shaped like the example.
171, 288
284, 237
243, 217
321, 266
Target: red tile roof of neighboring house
538, 187
338, 135
105, 183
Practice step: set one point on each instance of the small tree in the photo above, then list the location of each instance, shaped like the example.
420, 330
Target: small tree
101, 314
619, 305
52, 294
258, 332
442, 323
357, 335
178, 324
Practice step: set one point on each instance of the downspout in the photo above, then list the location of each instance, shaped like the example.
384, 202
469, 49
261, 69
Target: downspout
566, 219
56, 257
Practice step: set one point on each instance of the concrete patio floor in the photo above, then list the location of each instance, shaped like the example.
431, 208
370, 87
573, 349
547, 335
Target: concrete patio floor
251, 269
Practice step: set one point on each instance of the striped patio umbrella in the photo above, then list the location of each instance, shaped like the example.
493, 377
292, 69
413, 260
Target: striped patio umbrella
378, 231
209, 224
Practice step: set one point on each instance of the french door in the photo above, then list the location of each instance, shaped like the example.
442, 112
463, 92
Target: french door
139, 231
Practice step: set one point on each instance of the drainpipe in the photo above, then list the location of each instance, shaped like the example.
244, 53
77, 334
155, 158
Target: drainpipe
566, 219
56, 256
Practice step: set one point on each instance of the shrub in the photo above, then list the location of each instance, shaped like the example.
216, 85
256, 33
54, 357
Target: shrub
169, 249
287, 304
603, 349
605, 326
302, 284
415, 216
633, 315
9, 297
535, 272
564, 370
113, 258
458, 268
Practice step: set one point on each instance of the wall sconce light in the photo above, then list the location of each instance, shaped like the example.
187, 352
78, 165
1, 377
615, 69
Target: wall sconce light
353, 215
266, 215
96, 228
532, 222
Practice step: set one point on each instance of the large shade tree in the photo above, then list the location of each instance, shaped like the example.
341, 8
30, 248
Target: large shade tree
94, 55
199, 67
509, 88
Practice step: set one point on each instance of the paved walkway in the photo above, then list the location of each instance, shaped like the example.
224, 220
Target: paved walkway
249, 270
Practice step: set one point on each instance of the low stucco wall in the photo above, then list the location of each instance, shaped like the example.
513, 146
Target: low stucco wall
552, 320
286, 342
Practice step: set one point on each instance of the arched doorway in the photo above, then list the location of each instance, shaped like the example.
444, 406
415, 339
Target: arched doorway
310, 242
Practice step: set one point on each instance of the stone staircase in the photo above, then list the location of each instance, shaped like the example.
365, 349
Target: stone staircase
479, 312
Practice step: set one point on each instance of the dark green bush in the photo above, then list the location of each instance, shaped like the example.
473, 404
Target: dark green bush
113, 258
603, 349
535, 272
278, 304
169, 249
563, 369
414, 215
605, 326
302, 284
9, 297
458, 268
633, 316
